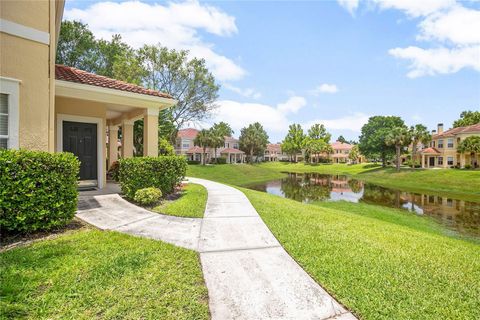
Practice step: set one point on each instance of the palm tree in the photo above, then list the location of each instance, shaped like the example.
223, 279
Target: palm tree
354, 154
471, 145
328, 150
419, 134
218, 133
398, 137
203, 140
253, 139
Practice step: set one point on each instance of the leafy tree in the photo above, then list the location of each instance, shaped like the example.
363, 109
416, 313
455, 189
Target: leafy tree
467, 118
77, 46
341, 139
420, 134
328, 150
107, 54
295, 140
223, 128
187, 80
354, 154
470, 145
318, 131
313, 147
203, 140
165, 148
374, 132
398, 137
129, 68
218, 133
253, 140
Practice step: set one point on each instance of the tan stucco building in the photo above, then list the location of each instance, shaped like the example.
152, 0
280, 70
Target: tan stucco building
442, 152
55, 108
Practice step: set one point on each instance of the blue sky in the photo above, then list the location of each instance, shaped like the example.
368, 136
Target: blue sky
331, 62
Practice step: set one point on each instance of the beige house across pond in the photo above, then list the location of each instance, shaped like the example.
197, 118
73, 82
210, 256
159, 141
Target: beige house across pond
56, 108
442, 152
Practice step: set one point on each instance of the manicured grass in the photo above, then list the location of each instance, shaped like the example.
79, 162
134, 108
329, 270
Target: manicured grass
381, 263
191, 203
90, 274
234, 174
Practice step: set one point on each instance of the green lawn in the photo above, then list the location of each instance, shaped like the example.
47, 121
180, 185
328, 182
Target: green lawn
381, 263
191, 203
91, 274
461, 184
234, 174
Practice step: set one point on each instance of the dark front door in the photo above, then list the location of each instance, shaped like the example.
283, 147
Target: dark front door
432, 162
81, 140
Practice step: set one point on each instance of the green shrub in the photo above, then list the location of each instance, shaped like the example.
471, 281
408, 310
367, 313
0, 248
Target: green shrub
148, 196
193, 162
38, 190
468, 166
164, 173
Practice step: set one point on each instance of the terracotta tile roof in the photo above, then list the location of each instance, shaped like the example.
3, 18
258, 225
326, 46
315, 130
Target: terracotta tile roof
197, 149
274, 147
71, 74
337, 145
187, 133
474, 128
430, 150
231, 150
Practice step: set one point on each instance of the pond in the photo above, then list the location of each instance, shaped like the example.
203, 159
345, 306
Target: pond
458, 215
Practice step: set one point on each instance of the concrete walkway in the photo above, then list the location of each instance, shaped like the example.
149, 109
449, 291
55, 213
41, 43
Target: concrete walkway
247, 272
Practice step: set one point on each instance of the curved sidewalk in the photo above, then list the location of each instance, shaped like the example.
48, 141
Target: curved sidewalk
247, 272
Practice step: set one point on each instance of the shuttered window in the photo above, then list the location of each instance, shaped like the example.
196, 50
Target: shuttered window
3, 121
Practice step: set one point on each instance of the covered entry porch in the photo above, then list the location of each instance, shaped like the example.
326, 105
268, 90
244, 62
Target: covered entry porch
93, 113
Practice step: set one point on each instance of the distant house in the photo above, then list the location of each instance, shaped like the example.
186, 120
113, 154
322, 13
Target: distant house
341, 152
442, 152
184, 145
274, 152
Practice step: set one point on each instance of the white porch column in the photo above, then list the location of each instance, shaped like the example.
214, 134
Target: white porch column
462, 160
127, 139
150, 132
423, 161
112, 145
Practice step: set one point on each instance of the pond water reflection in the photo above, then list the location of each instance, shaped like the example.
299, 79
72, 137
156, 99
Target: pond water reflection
462, 216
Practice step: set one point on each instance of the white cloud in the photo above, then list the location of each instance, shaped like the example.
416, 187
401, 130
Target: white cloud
415, 8
460, 26
293, 104
239, 115
349, 5
451, 33
438, 61
353, 122
174, 24
273, 118
247, 92
324, 88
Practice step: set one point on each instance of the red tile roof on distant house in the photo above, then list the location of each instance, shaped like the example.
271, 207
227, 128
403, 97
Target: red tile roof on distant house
197, 149
231, 150
337, 145
274, 147
474, 128
430, 151
187, 133
71, 74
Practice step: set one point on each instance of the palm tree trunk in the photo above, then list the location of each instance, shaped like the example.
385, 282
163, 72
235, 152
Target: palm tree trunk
414, 150
203, 155
398, 157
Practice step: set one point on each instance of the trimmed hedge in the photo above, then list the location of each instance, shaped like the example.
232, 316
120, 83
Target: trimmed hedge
164, 173
148, 196
38, 190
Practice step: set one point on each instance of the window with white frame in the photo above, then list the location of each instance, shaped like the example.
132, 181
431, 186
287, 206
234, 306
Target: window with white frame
9, 92
450, 143
450, 161
440, 161
440, 143
3, 121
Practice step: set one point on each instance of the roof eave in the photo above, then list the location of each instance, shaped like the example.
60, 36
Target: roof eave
95, 93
